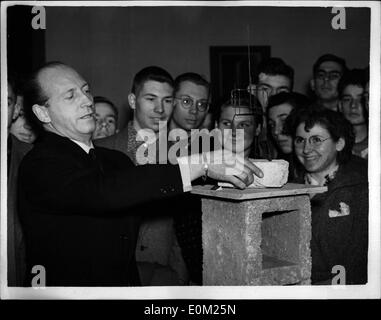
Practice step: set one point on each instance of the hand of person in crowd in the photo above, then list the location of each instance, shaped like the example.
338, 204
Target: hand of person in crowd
223, 165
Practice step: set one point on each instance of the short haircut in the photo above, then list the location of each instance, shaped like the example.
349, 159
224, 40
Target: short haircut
191, 77
152, 73
295, 99
244, 100
356, 77
337, 126
100, 99
274, 67
34, 94
329, 57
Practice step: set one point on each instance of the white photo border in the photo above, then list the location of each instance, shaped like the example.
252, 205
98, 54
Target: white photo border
371, 290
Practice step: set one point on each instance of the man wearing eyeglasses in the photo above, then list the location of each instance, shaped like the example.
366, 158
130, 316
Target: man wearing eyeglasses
327, 72
191, 106
191, 102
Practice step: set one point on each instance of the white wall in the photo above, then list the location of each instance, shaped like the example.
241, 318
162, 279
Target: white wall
109, 45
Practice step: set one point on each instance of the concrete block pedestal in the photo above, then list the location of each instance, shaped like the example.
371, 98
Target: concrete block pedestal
257, 236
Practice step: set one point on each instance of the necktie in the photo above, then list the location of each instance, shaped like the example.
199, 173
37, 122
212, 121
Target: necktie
92, 154
95, 160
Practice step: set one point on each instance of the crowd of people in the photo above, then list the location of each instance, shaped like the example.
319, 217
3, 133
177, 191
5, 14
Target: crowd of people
96, 207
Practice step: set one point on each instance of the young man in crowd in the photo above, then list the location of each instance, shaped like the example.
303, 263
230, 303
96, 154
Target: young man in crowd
327, 72
278, 109
191, 103
106, 115
352, 105
151, 98
191, 106
274, 76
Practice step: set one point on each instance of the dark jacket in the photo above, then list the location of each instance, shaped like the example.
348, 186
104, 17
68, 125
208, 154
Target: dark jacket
185, 209
73, 210
340, 225
16, 244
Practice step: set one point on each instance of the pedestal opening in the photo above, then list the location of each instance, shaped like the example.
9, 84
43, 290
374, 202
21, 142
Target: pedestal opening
280, 239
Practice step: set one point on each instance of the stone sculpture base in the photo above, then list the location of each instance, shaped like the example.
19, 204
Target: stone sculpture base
257, 241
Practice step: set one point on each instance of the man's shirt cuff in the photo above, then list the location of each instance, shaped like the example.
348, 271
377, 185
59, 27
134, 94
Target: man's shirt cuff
185, 173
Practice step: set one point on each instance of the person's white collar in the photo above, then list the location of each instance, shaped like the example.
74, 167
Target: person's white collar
84, 146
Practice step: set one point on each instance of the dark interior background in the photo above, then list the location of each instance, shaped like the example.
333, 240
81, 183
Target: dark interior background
26, 46
108, 45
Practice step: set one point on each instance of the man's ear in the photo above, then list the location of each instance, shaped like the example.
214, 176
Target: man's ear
340, 144
132, 100
312, 84
16, 111
41, 113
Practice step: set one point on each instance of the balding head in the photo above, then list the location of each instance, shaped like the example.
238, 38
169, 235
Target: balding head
60, 99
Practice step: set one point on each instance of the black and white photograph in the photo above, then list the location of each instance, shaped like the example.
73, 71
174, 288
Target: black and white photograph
190, 150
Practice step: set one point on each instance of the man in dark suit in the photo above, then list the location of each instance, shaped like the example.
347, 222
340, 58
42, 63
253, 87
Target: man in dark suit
73, 197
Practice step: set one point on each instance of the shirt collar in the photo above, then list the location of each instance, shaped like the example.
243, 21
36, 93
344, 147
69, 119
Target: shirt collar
84, 146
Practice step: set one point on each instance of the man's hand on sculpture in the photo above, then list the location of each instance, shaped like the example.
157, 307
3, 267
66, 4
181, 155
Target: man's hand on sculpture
223, 165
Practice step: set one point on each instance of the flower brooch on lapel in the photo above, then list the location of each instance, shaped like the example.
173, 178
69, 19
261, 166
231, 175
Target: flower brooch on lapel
344, 211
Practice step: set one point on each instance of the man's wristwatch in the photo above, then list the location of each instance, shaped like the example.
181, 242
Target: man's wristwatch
206, 167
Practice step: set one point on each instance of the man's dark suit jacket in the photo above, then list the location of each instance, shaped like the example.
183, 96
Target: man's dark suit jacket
73, 210
186, 211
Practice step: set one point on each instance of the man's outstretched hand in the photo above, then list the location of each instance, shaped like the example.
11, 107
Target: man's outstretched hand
223, 165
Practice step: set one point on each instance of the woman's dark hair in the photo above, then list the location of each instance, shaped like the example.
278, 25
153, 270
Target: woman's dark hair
337, 126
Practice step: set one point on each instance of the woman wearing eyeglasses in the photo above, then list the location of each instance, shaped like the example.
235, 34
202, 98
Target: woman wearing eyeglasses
323, 141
